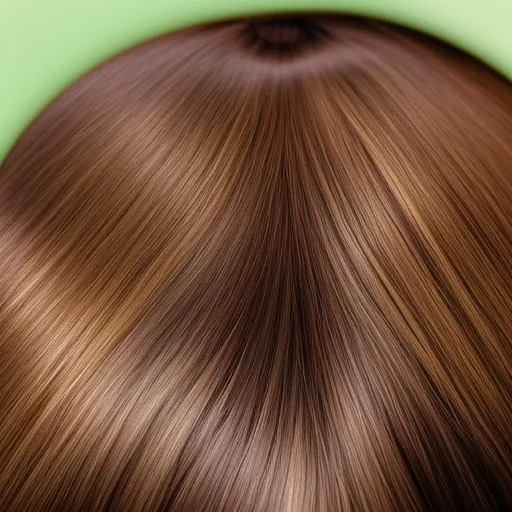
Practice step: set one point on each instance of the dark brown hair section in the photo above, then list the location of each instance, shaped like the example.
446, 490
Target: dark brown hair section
261, 266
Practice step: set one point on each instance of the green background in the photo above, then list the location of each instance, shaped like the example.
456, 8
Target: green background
46, 44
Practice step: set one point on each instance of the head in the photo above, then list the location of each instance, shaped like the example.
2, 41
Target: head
262, 265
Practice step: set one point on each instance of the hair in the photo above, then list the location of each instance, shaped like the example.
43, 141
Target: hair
261, 266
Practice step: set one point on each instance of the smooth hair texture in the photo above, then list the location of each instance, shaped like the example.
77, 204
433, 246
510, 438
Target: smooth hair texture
261, 266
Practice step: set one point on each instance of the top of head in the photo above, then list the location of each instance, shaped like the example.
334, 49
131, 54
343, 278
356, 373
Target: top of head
44, 46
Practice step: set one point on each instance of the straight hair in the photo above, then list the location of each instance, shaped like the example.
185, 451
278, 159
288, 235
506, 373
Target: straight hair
261, 266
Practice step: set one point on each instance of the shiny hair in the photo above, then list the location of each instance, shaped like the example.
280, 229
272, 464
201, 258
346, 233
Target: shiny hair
262, 266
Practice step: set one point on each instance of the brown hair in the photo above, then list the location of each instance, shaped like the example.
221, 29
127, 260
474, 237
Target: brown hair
261, 266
